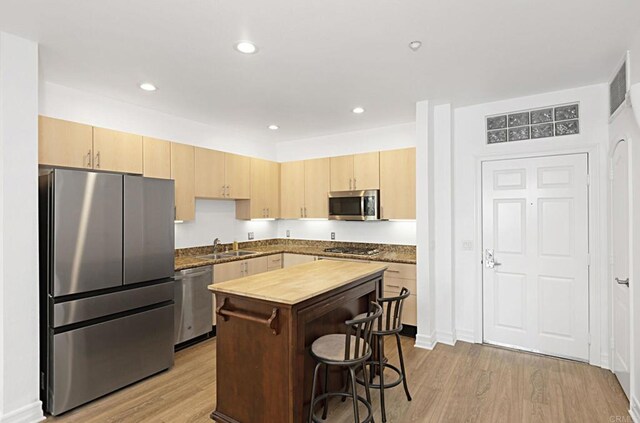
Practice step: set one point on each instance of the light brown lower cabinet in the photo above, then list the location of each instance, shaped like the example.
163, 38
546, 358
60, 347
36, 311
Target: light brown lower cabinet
396, 277
289, 260
234, 270
274, 262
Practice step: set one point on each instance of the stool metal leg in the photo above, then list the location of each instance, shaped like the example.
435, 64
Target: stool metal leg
404, 373
326, 400
366, 382
313, 391
354, 391
381, 367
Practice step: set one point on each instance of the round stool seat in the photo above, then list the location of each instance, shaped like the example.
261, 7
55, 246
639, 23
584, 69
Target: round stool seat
332, 347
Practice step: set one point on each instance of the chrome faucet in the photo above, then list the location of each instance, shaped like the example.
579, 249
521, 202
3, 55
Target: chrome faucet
215, 244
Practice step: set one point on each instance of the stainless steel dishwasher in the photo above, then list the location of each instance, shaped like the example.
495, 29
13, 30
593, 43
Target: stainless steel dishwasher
193, 309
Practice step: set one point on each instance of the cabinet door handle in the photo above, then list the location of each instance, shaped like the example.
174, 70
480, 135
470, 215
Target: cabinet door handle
268, 211
301, 212
305, 212
354, 183
88, 157
350, 184
228, 190
98, 159
392, 271
224, 191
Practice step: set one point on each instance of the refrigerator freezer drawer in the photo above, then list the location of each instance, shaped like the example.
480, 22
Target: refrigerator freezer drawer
84, 309
92, 361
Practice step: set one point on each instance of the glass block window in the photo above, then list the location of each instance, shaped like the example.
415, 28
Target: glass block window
546, 122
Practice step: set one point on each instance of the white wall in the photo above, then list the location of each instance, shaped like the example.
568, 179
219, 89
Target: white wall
217, 219
19, 325
470, 146
385, 138
400, 232
378, 139
80, 106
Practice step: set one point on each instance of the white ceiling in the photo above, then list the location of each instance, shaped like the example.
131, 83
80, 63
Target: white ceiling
320, 58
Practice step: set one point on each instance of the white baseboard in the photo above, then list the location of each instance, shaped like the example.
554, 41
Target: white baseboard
604, 361
426, 342
448, 338
635, 409
466, 335
30, 413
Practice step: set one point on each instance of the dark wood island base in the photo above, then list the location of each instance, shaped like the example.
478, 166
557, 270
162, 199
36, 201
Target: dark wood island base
265, 327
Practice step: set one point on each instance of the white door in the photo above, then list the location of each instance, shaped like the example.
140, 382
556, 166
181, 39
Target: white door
535, 230
620, 220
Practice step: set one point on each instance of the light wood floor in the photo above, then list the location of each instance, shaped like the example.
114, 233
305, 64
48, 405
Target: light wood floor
465, 383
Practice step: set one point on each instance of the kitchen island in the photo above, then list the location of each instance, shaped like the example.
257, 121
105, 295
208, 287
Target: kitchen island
266, 324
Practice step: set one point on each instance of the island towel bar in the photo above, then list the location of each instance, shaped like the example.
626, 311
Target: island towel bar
271, 322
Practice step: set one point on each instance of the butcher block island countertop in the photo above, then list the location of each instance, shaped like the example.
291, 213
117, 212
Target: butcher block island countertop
265, 325
296, 284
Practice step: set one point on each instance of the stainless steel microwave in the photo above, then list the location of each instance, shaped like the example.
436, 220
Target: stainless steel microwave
354, 205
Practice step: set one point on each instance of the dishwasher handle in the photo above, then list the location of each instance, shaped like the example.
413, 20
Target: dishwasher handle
190, 273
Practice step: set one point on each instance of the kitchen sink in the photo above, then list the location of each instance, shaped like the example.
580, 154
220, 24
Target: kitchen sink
239, 253
213, 256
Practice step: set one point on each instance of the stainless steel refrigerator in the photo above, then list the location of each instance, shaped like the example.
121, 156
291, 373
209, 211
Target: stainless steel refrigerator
106, 281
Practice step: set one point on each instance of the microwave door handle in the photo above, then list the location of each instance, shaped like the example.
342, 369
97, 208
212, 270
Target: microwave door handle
363, 211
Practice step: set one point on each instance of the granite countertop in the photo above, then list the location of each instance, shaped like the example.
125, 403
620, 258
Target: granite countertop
190, 257
298, 283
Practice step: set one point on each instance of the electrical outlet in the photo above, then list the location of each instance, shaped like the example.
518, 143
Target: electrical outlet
250, 235
333, 235
467, 245
288, 233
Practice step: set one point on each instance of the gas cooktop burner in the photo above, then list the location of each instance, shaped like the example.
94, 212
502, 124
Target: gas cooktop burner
360, 251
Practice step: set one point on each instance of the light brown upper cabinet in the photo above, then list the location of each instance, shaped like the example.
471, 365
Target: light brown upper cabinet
316, 188
355, 172
64, 143
182, 172
222, 175
156, 155
209, 173
292, 190
398, 184
265, 192
117, 151
238, 176
304, 188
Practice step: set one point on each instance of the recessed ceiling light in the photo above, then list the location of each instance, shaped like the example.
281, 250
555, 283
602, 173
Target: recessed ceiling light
415, 45
147, 86
246, 47
274, 127
358, 110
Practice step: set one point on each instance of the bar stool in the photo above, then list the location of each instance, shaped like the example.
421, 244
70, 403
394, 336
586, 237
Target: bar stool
390, 323
349, 351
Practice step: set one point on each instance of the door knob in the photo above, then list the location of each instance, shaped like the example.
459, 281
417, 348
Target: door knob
623, 281
489, 259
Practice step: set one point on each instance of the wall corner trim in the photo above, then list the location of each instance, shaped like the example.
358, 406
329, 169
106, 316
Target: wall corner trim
30, 413
448, 338
466, 335
635, 409
427, 342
